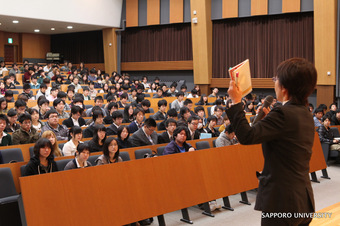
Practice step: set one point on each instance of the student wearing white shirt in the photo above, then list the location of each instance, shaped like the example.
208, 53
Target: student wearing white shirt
70, 147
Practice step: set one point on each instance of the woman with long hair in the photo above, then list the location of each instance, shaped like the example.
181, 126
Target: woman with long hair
53, 139
110, 152
36, 123
3, 106
70, 147
203, 100
123, 137
128, 114
99, 137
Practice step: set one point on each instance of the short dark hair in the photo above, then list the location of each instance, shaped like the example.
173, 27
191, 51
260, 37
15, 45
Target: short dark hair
83, 147
24, 116
180, 93
86, 88
326, 116
184, 86
218, 107
146, 103
98, 98
199, 108
124, 96
229, 129
150, 122
76, 109
43, 101
137, 110
183, 110
20, 103
26, 86
49, 112
41, 143
117, 114
194, 117
187, 101
212, 117
8, 93
43, 85
170, 120
75, 130
112, 105
317, 110
58, 101
96, 114
172, 112
162, 102
180, 129
3, 117
61, 94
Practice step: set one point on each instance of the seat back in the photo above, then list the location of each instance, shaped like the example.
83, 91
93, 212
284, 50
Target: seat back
139, 154
7, 187
12, 155
22, 170
61, 145
214, 143
31, 149
160, 150
92, 159
62, 163
200, 145
335, 131
124, 155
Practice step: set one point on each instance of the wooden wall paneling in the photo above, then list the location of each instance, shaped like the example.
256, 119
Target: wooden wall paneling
325, 17
157, 66
2, 44
35, 45
176, 11
259, 7
290, 6
230, 8
202, 41
153, 12
131, 13
325, 94
110, 51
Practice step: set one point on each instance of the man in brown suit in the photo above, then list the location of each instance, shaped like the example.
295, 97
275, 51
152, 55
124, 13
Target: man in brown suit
287, 135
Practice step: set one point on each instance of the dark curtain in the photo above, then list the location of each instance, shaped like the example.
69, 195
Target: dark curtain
157, 43
265, 41
79, 47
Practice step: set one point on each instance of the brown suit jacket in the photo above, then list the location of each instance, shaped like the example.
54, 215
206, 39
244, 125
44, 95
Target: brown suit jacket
287, 135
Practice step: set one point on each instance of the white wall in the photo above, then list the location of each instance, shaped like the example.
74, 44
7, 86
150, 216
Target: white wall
94, 12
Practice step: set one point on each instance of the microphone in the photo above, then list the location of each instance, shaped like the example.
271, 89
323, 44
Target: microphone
267, 102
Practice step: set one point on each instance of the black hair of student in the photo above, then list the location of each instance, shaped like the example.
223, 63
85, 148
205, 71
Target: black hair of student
126, 112
82, 147
2, 99
110, 97
3, 117
140, 86
317, 110
218, 107
124, 96
187, 101
24, 116
58, 101
112, 105
51, 111
42, 143
26, 86
98, 98
156, 78
182, 111
133, 89
172, 112
194, 117
120, 130
180, 93
71, 88
14, 64
96, 114
106, 151
323, 106
211, 117
31, 68
91, 83
146, 103
162, 103
194, 91
8, 93
160, 89
229, 129
125, 86
46, 81
180, 129
78, 97
137, 110
75, 130
6, 78
199, 108
150, 122
86, 88
139, 98
43, 101
170, 120
117, 114
218, 102
43, 85
174, 84
184, 86
32, 110
98, 128
76, 109
326, 116
61, 94
68, 78
93, 71
20, 103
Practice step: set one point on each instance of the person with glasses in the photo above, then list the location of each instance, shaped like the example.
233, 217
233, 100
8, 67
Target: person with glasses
52, 124
194, 134
145, 135
26, 134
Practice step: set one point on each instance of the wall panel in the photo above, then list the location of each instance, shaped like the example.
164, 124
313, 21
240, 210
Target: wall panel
259, 7
230, 8
216, 9
165, 11
153, 10
274, 6
35, 46
131, 13
291, 6
176, 11
186, 11
244, 8
142, 12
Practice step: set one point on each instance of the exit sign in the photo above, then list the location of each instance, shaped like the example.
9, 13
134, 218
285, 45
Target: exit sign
10, 40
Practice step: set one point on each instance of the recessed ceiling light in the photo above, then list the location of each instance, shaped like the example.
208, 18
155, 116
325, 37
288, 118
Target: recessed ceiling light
15, 21
36, 30
52, 29
69, 27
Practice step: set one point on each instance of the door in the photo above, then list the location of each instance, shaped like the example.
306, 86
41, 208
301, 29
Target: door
11, 53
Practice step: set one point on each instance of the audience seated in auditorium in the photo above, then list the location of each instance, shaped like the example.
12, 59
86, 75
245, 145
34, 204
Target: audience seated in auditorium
203, 100
226, 137
145, 104
184, 114
41, 91
99, 137
123, 100
20, 106
214, 92
188, 103
9, 96
15, 69
82, 154
70, 147
3, 106
172, 91
110, 108
123, 137
43, 108
138, 114
34, 82
211, 124
52, 124
28, 74
249, 108
12, 119
86, 93
145, 82
26, 134
335, 119
110, 152
226, 122
69, 79
218, 102
117, 118
167, 136
48, 67
326, 135
98, 101
69, 95
145, 135
93, 91
332, 110
318, 114
171, 113
92, 76
193, 94
53, 94
59, 106
179, 144
159, 93
194, 134
199, 111
128, 114
178, 103
161, 114
8, 83
218, 111
184, 90
6, 139
75, 119
97, 118
53, 139
43, 160
76, 85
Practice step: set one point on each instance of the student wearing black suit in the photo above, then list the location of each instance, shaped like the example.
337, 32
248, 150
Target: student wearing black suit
117, 118
75, 119
145, 135
138, 114
212, 120
286, 134
161, 114
192, 126
167, 136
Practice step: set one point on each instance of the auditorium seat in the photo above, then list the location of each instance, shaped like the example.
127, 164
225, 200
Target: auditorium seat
200, 145
61, 145
160, 150
214, 143
22, 170
92, 159
125, 156
31, 149
12, 155
139, 154
8, 192
62, 163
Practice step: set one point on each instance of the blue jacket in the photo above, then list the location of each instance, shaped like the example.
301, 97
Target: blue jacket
172, 148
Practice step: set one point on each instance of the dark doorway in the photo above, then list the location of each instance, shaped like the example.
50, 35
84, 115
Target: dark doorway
11, 53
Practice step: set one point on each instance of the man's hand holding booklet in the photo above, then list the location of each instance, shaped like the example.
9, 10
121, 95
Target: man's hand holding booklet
241, 75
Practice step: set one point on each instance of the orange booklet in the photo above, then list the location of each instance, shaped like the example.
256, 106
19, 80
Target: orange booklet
244, 78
